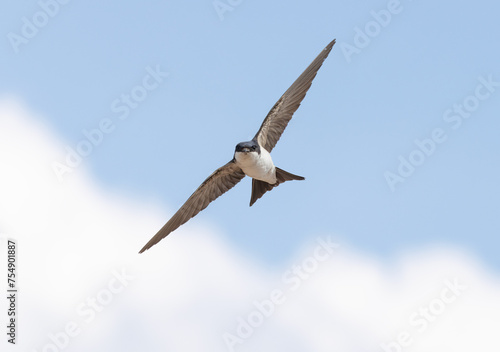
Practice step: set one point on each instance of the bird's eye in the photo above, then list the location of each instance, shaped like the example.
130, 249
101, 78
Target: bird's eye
253, 147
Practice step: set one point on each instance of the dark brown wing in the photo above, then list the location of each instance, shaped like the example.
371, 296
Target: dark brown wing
281, 113
218, 183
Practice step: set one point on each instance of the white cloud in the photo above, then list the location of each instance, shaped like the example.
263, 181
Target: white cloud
75, 238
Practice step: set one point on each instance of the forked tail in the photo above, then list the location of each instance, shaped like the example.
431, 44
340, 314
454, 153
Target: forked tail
261, 187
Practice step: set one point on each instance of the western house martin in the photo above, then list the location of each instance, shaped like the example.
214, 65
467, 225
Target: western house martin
250, 158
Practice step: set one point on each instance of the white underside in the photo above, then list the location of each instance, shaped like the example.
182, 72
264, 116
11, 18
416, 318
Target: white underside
260, 167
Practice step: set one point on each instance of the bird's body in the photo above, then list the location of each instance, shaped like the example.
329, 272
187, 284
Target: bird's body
252, 158
257, 165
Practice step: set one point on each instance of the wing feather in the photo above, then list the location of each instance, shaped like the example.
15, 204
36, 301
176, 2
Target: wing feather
218, 183
281, 113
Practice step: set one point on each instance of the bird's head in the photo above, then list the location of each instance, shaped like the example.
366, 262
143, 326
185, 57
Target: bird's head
248, 147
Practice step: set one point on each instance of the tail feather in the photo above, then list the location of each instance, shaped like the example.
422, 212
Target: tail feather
260, 187
283, 176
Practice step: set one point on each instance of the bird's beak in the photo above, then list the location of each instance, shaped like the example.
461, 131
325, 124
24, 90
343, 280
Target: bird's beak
245, 149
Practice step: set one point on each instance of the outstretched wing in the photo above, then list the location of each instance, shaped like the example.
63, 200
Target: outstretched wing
281, 113
218, 183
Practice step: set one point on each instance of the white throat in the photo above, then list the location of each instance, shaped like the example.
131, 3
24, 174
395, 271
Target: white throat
260, 167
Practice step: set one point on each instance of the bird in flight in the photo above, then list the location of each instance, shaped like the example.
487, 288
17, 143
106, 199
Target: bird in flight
250, 158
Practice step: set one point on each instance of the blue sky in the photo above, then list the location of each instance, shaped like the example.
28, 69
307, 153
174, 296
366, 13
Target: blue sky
397, 138
363, 111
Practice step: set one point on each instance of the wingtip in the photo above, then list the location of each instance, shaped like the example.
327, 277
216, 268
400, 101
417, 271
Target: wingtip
330, 45
146, 247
